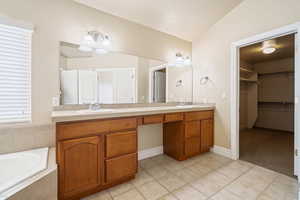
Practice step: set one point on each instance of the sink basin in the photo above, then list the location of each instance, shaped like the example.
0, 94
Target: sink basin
187, 106
102, 110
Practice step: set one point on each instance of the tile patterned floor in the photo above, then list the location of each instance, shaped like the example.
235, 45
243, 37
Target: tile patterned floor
205, 177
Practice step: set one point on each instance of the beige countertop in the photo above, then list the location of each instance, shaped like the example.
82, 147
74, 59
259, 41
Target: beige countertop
86, 114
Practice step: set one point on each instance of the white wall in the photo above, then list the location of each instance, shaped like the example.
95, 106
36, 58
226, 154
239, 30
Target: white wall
211, 52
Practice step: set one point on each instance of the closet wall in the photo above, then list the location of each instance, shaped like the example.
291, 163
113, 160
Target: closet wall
276, 94
248, 95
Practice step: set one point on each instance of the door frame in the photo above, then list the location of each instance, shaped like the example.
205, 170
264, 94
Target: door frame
151, 75
235, 85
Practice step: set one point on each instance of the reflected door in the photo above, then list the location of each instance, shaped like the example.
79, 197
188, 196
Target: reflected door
87, 83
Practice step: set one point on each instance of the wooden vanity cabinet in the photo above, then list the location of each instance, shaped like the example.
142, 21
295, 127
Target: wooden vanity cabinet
97, 154
191, 137
94, 155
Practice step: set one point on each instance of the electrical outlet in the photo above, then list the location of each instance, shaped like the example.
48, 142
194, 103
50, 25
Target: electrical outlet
55, 101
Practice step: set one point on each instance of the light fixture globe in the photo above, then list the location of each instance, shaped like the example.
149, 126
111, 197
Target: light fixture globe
268, 47
269, 50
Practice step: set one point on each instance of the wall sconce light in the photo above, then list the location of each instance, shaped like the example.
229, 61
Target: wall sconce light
95, 41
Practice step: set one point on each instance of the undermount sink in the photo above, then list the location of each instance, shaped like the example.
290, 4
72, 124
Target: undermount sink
102, 110
187, 106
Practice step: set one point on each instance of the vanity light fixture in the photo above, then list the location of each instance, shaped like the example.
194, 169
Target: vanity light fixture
269, 47
95, 41
182, 61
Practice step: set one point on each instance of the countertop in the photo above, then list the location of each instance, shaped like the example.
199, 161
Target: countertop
86, 114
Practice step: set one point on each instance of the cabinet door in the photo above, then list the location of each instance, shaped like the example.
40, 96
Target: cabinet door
79, 166
192, 146
207, 135
192, 129
121, 167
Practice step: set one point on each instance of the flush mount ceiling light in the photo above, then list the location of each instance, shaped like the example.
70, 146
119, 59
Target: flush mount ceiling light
269, 47
95, 41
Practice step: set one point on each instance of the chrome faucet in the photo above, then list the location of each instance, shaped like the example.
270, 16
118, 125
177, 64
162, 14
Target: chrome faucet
94, 106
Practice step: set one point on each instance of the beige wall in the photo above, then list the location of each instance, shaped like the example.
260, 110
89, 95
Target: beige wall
211, 53
276, 88
65, 20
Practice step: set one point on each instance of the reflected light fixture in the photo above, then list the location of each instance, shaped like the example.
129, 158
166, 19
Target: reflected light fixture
182, 61
269, 47
95, 41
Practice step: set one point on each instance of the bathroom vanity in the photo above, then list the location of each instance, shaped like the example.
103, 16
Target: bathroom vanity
97, 150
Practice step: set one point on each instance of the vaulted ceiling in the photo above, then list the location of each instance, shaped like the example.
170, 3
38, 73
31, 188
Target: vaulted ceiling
186, 19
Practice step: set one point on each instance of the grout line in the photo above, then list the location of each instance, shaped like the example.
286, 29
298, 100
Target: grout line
268, 186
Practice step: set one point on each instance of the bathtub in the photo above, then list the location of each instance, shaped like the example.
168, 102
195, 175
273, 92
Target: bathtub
15, 168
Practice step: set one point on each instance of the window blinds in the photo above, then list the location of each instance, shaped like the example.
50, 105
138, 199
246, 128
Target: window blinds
15, 74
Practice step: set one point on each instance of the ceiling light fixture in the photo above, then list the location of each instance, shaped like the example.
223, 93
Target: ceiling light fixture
95, 41
269, 47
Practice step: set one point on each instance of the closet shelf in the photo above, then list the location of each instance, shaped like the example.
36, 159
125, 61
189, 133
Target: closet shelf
281, 102
246, 70
272, 73
248, 80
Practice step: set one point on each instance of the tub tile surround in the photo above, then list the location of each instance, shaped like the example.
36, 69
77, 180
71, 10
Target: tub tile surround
26, 137
230, 180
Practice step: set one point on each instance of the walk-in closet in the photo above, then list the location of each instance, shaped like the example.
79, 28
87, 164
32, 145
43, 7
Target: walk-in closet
267, 104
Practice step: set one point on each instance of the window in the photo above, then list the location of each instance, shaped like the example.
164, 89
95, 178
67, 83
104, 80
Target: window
15, 74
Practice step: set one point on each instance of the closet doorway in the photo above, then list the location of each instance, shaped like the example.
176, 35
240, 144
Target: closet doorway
266, 117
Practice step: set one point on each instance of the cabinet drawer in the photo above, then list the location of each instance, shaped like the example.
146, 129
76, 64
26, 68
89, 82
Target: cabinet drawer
81, 129
192, 146
153, 119
192, 129
190, 116
123, 124
118, 144
121, 167
173, 117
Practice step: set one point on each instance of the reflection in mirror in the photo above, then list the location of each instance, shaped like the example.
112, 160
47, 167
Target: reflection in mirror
117, 78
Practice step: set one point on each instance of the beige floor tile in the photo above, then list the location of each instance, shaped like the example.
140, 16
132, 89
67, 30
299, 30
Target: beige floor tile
168, 197
211, 163
174, 166
141, 178
130, 195
147, 163
119, 189
157, 171
99, 196
188, 193
152, 190
199, 169
171, 182
246, 188
186, 175
211, 183
162, 159
282, 188
189, 162
225, 195
234, 169
219, 158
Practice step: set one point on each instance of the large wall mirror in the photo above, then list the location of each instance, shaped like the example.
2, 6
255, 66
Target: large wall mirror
118, 78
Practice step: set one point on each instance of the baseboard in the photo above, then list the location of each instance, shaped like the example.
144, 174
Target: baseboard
222, 151
147, 153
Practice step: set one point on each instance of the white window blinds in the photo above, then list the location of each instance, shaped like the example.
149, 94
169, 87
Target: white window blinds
15, 74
